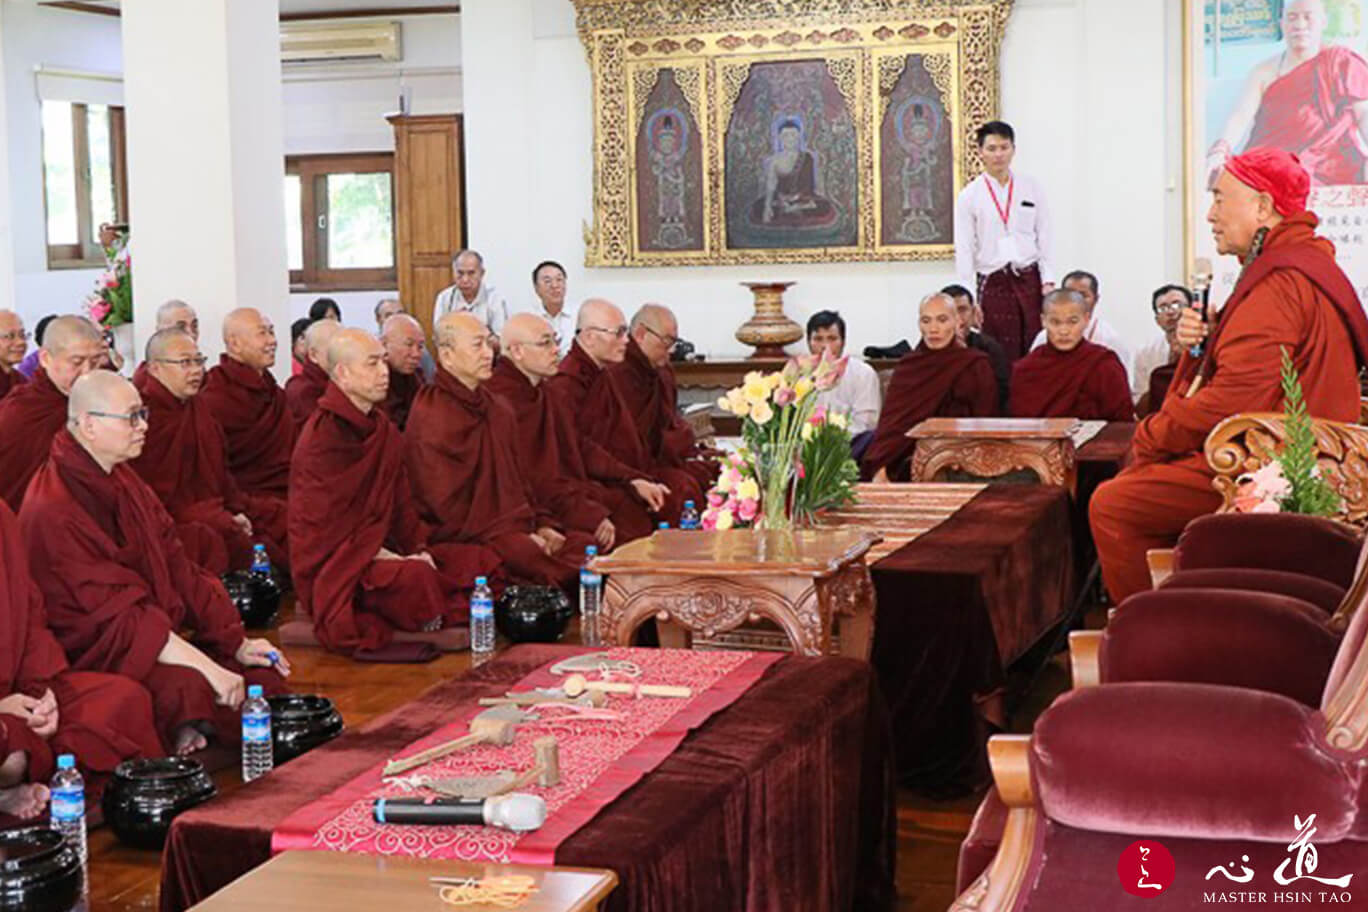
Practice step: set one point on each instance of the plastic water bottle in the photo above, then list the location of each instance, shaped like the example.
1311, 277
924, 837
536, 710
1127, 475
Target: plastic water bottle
261, 562
591, 593
481, 621
688, 517
257, 758
68, 804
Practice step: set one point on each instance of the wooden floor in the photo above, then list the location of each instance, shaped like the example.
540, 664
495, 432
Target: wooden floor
929, 832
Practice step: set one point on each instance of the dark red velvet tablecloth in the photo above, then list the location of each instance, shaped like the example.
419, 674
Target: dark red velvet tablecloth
783, 800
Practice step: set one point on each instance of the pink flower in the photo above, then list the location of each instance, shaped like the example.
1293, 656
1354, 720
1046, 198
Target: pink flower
818, 415
709, 519
1270, 482
802, 473
747, 509
1267, 506
784, 395
714, 499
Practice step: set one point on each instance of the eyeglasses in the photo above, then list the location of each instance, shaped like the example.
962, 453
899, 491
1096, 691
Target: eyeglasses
1169, 308
134, 418
15, 334
670, 341
185, 363
616, 333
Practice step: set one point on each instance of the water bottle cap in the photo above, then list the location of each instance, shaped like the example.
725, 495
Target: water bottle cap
258, 547
591, 551
481, 581
253, 691
66, 762
664, 525
688, 504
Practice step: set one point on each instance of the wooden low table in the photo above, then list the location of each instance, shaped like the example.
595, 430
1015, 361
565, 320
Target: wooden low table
713, 582
338, 881
992, 447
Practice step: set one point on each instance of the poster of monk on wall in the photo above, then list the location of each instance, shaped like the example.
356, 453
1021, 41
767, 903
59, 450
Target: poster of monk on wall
1290, 74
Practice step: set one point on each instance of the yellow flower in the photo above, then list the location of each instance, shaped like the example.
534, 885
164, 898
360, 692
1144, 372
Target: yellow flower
753, 377
724, 483
724, 520
748, 490
757, 391
837, 418
761, 412
774, 380
736, 403
724, 403
808, 430
802, 387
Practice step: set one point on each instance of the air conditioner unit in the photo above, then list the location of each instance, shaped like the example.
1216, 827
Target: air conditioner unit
310, 43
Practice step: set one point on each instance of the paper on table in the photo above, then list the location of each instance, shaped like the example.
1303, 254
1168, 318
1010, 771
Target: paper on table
1085, 431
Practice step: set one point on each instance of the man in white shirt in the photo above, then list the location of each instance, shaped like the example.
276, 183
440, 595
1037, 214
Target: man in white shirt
1167, 302
1003, 242
858, 395
548, 281
471, 294
1098, 331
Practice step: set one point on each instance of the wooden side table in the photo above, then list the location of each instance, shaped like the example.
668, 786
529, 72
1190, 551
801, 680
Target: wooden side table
713, 582
990, 447
342, 881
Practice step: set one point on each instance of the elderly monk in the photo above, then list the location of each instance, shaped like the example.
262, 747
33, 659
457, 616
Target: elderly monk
584, 389
119, 587
461, 452
33, 413
176, 314
940, 377
583, 485
244, 398
1068, 376
184, 461
13, 347
404, 343
363, 568
304, 388
1290, 296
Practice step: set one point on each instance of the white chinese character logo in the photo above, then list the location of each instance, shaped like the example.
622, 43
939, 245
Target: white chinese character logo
1307, 858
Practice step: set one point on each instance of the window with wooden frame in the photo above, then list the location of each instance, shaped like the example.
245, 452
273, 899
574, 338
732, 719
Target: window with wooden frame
339, 217
85, 179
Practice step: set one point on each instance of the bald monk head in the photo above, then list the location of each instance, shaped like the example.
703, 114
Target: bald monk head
530, 343
601, 331
249, 338
938, 321
106, 416
656, 331
72, 348
317, 338
384, 309
13, 340
464, 349
176, 314
1065, 314
356, 363
174, 358
1237, 213
403, 339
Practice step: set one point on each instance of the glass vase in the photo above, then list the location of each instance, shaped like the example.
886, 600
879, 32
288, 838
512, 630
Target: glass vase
775, 469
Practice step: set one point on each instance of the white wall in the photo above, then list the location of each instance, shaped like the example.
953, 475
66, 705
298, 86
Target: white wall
1084, 83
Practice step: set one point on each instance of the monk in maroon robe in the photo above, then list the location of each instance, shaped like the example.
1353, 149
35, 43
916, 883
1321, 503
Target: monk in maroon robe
364, 572
1068, 376
184, 460
118, 585
245, 400
176, 314
32, 416
303, 390
939, 378
404, 342
50, 709
461, 451
584, 486
584, 389
13, 347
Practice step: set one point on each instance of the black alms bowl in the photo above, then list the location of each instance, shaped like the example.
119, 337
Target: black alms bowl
146, 795
256, 597
301, 722
39, 872
532, 614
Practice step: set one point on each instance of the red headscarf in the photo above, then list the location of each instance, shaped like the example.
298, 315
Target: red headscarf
1276, 172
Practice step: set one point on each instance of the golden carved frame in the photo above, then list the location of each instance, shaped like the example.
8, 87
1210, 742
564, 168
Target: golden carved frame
710, 44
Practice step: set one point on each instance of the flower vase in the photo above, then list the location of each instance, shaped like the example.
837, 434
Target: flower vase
775, 471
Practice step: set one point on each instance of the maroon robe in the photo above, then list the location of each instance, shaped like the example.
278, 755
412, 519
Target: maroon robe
953, 382
1309, 111
653, 399
1088, 383
102, 719
350, 496
9, 379
302, 392
399, 400
584, 390
184, 460
252, 411
461, 451
581, 493
117, 582
29, 419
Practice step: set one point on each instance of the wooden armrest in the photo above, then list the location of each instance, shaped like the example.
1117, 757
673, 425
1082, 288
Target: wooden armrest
1160, 562
998, 888
1085, 647
1010, 759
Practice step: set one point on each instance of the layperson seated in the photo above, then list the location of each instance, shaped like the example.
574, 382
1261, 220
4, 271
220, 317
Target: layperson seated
1068, 376
299, 348
858, 394
405, 344
13, 346
941, 377
303, 389
1156, 361
29, 366
971, 334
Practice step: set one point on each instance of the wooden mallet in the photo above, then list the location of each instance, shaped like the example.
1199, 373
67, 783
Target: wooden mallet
484, 729
577, 684
545, 769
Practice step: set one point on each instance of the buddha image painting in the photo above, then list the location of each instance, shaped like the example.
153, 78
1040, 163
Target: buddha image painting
789, 195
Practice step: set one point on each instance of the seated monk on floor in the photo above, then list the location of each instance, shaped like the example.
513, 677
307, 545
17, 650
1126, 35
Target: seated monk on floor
303, 389
174, 314
1068, 376
122, 596
34, 412
404, 343
646, 383
941, 377
584, 389
245, 400
584, 486
183, 461
461, 451
363, 569
50, 709
13, 347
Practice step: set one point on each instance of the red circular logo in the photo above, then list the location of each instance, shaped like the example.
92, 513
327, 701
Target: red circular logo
1145, 868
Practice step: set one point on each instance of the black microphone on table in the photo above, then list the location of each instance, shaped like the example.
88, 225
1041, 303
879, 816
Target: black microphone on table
518, 812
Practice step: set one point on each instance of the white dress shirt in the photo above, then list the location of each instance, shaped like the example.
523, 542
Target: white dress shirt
983, 245
1152, 354
489, 306
1100, 332
858, 396
563, 323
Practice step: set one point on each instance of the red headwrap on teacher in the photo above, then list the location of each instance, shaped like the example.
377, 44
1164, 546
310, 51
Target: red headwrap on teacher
1276, 172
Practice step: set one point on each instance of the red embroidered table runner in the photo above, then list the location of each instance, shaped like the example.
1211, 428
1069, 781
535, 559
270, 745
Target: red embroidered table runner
599, 760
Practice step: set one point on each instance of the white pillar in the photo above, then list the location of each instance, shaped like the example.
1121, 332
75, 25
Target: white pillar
7, 301
206, 162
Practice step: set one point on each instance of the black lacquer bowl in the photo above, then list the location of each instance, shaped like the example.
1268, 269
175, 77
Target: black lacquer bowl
533, 614
146, 795
39, 872
256, 596
301, 722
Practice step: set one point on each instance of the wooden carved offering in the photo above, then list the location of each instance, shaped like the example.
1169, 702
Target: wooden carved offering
769, 330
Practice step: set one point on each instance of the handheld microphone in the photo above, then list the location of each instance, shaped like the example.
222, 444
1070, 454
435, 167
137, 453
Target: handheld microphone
1201, 283
518, 812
